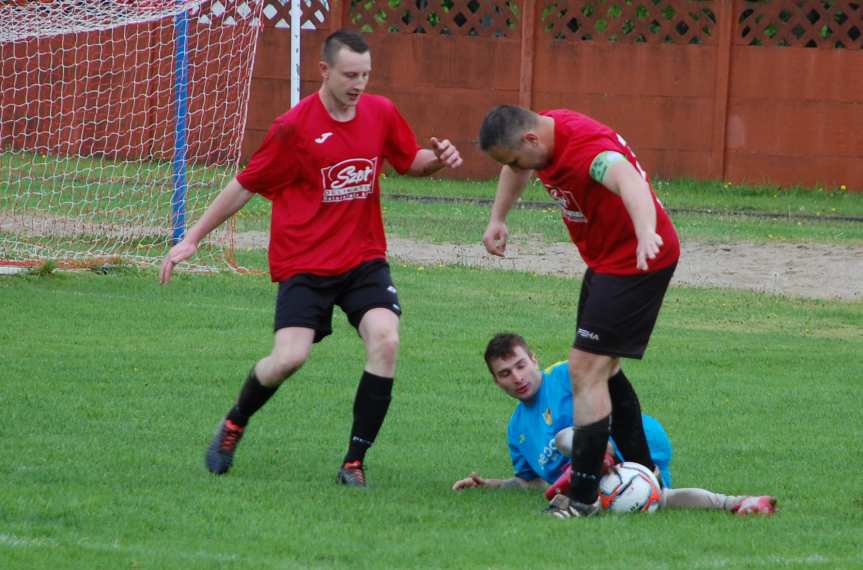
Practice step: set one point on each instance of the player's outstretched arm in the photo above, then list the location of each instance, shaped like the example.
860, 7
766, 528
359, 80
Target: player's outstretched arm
428, 161
624, 180
474, 480
510, 186
227, 203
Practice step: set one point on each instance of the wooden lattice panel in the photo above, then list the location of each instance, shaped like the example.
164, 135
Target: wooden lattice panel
631, 21
802, 23
226, 12
277, 13
482, 18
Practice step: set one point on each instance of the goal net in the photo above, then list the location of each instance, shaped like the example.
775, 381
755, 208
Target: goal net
119, 122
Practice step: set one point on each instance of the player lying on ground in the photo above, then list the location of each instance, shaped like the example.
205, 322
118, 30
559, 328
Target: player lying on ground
540, 432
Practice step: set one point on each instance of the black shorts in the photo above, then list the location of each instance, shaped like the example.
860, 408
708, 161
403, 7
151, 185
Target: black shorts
616, 313
307, 300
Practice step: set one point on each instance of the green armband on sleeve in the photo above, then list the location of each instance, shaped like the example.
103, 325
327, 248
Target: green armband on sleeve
602, 163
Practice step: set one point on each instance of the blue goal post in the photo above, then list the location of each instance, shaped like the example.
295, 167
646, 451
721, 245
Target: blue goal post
181, 104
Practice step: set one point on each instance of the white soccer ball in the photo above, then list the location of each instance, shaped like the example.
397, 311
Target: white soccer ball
630, 488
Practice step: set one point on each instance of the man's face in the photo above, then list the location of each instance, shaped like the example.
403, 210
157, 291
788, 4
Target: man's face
530, 154
517, 374
346, 79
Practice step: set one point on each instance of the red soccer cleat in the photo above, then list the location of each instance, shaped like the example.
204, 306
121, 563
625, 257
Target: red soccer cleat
763, 505
220, 453
352, 474
561, 486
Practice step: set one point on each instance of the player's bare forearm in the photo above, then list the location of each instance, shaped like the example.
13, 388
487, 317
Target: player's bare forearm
519, 483
425, 164
515, 483
639, 204
474, 481
510, 186
428, 161
625, 181
229, 201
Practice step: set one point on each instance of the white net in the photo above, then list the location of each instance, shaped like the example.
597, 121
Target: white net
119, 121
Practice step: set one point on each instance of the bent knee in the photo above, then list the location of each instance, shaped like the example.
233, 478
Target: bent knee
563, 440
385, 345
286, 363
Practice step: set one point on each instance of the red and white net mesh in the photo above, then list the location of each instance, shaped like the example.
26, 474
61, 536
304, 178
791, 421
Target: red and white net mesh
88, 115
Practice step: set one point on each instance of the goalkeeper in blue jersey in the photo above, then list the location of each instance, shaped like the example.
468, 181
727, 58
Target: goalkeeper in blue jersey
540, 432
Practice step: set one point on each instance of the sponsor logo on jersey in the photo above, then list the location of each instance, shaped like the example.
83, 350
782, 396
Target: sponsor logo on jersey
323, 138
567, 204
584, 333
350, 179
548, 454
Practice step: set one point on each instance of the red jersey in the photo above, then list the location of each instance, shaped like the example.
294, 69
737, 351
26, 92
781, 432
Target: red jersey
322, 178
596, 218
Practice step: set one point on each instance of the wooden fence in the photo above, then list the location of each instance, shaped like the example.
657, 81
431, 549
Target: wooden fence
746, 91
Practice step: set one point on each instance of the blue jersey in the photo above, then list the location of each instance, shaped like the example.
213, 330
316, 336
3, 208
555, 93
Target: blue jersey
534, 424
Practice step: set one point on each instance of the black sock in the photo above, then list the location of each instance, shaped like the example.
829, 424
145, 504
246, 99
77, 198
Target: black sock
627, 427
588, 448
253, 395
370, 408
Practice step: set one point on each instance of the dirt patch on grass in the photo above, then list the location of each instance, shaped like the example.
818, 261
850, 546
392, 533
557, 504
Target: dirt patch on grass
817, 271
814, 271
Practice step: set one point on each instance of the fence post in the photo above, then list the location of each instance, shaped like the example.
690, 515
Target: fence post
337, 14
528, 53
726, 16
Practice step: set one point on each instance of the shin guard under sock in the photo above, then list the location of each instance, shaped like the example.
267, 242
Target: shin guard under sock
627, 427
588, 448
370, 408
253, 395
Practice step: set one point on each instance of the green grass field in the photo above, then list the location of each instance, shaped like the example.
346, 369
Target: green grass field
113, 385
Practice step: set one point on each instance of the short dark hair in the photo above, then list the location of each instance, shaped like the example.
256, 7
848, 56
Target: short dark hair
342, 38
502, 345
504, 125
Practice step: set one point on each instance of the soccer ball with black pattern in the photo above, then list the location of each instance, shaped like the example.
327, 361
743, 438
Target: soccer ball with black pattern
629, 488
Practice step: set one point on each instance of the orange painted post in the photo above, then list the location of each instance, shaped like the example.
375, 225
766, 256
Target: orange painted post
726, 16
528, 53
337, 14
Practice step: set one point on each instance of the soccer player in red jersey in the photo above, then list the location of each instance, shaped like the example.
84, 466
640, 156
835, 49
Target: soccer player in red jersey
631, 249
319, 165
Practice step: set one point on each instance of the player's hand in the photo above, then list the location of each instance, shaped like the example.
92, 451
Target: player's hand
495, 238
446, 152
647, 249
472, 480
180, 252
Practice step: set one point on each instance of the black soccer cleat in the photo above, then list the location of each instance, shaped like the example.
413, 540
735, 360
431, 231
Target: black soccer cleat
352, 474
220, 453
562, 507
